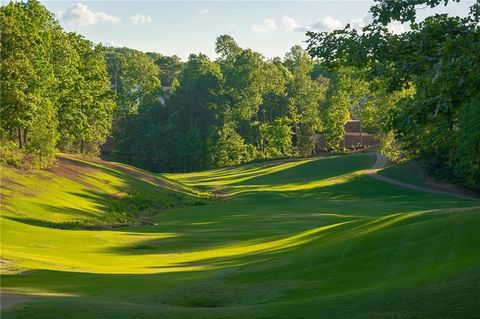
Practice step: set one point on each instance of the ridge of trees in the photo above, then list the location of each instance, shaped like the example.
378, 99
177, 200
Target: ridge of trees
235, 109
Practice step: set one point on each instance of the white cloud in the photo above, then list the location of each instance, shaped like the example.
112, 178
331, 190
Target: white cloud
140, 19
232, 24
289, 23
358, 24
204, 11
328, 23
80, 14
268, 25
397, 27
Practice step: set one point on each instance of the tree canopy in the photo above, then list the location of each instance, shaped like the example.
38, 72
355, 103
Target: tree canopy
435, 64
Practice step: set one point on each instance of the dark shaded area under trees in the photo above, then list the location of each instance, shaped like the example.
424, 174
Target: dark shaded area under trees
434, 69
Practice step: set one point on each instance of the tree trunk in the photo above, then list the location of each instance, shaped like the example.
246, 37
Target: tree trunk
25, 137
20, 141
361, 136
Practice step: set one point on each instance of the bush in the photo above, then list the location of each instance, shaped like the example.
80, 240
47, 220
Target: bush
10, 154
467, 161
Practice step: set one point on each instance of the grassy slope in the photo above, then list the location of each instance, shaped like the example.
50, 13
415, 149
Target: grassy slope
410, 172
295, 239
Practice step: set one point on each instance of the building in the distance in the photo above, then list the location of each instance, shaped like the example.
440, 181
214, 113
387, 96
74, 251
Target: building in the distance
354, 138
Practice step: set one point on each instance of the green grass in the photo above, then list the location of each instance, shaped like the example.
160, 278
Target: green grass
410, 172
289, 239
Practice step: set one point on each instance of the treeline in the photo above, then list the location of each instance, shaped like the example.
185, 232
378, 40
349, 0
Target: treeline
435, 70
235, 109
61, 92
55, 89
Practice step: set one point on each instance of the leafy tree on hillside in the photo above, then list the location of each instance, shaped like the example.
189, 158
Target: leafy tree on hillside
86, 102
28, 85
135, 77
439, 58
346, 98
229, 148
277, 138
195, 110
305, 96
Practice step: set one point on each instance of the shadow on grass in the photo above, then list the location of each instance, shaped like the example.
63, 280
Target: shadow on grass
329, 268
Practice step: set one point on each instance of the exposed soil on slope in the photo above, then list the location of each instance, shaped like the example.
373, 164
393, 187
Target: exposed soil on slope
74, 170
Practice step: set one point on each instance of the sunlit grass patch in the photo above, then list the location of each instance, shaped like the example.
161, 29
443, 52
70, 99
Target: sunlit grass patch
293, 239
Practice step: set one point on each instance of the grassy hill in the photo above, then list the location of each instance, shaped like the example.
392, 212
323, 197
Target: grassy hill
287, 239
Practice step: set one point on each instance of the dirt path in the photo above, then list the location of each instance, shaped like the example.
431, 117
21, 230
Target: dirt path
382, 161
7, 300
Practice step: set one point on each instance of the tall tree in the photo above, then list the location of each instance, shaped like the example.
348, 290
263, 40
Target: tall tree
28, 82
135, 77
86, 102
305, 96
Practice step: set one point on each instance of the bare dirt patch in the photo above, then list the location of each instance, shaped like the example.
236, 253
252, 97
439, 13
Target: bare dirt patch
138, 173
74, 170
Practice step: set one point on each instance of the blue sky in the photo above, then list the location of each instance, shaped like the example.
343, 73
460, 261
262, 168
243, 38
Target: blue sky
185, 27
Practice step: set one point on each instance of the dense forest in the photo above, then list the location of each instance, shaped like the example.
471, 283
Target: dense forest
417, 90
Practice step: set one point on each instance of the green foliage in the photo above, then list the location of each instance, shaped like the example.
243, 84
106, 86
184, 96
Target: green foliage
230, 148
437, 61
139, 81
135, 78
86, 111
277, 138
304, 98
468, 141
28, 85
390, 147
10, 154
219, 113
336, 110
55, 88
43, 137
169, 67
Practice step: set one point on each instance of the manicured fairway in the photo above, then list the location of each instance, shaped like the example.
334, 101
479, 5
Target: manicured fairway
288, 239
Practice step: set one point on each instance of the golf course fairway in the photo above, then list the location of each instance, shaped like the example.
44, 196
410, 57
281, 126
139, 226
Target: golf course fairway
310, 238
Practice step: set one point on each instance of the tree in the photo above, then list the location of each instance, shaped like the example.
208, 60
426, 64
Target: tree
86, 102
439, 58
468, 143
305, 96
194, 112
230, 148
170, 67
135, 77
347, 96
28, 85
277, 138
